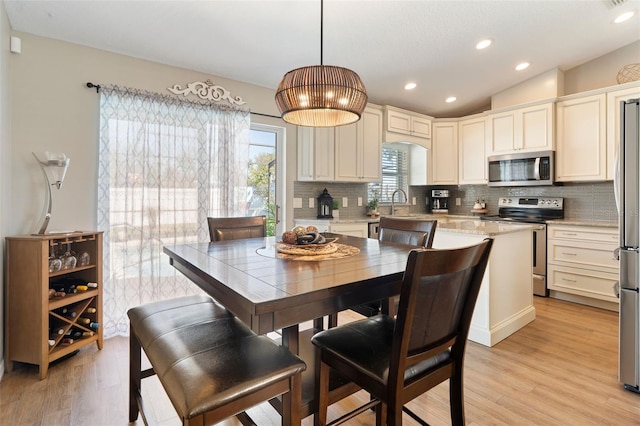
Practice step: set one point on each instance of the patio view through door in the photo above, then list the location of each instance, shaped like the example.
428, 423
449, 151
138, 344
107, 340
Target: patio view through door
263, 196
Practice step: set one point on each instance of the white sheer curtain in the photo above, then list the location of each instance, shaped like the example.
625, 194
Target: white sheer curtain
165, 164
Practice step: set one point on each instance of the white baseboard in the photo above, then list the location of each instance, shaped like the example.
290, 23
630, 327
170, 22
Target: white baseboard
504, 329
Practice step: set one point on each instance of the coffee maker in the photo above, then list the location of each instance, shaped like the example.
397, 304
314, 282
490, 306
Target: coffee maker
439, 201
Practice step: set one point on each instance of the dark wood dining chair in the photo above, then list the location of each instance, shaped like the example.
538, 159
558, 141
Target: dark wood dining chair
236, 228
398, 359
413, 232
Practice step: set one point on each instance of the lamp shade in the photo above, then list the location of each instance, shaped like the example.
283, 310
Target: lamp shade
321, 96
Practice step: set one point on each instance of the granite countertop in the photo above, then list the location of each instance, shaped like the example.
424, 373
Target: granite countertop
452, 218
480, 227
582, 222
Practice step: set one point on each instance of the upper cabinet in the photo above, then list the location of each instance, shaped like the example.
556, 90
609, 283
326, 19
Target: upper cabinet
613, 124
315, 154
444, 156
407, 122
358, 148
524, 129
472, 151
581, 139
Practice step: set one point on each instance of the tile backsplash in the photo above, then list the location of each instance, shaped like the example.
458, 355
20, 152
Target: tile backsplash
582, 201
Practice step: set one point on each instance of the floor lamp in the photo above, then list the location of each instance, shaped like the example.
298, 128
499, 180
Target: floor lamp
54, 169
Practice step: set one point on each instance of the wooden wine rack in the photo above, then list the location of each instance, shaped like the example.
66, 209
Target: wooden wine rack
32, 316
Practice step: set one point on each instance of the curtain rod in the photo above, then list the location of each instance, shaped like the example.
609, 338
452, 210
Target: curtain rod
91, 85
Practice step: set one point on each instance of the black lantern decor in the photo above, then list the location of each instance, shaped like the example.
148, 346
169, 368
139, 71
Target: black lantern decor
325, 205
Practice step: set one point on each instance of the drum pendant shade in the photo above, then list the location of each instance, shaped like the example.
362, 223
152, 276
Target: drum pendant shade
321, 95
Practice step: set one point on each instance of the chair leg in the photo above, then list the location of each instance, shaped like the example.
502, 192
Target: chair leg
381, 414
456, 398
135, 375
292, 401
322, 380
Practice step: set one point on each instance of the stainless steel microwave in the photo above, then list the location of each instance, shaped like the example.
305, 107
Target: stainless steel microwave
522, 169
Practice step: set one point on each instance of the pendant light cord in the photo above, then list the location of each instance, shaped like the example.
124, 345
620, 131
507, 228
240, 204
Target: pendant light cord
321, 28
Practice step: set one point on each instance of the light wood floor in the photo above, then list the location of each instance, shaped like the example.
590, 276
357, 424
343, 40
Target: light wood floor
559, 370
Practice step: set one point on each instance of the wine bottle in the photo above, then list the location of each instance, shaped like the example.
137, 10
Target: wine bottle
88, 334
83, 320
91, 310
94, 325
52, 342
92, 285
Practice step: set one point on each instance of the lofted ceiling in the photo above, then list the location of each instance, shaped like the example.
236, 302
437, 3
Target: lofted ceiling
388, 43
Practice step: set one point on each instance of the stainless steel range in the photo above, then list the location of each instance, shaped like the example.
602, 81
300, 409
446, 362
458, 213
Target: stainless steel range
536, 211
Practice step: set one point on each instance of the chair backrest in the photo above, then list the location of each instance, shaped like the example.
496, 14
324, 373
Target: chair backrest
414, 232
438, 296
236, 228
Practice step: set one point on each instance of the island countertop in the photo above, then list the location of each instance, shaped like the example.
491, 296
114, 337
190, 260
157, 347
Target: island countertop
480, 227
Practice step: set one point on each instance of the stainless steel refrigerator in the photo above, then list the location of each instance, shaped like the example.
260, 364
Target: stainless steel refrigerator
629, 201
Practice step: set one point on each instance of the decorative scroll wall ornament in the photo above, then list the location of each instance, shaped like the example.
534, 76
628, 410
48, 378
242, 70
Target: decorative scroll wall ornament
207, 91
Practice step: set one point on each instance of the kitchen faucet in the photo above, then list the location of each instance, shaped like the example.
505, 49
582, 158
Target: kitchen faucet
393, 196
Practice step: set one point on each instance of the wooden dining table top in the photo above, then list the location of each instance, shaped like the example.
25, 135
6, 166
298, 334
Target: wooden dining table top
269, 293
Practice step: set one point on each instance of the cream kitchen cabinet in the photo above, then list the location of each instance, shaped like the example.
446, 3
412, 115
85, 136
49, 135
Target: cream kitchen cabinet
316, 154
523, 129
613, 123
581, 139
354, 229
444, 153
407, 122
580, 261
472, 164
358, 148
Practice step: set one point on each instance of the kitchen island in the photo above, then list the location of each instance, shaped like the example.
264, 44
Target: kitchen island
505, 302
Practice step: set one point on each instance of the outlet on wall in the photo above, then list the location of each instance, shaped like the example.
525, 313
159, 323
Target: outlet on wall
312, 202
359, 201
458, 202
413, 201
345, 202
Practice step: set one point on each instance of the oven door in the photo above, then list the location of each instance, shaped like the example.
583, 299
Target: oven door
540, 261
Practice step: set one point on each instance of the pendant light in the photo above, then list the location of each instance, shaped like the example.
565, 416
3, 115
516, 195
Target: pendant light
321, 95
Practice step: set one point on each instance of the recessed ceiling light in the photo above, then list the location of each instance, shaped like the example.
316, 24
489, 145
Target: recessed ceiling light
410, 86
522, 66
450, 99
624, 17
483, 44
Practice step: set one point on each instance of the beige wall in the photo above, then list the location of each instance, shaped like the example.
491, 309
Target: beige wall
55, 111
5, 157
595, 74
602, 71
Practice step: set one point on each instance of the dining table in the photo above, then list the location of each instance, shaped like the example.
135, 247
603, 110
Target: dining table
271, 291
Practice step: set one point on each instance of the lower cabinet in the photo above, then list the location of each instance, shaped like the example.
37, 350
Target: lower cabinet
580, 261
354, 229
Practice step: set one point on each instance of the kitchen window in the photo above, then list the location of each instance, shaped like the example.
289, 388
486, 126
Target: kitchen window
395, 172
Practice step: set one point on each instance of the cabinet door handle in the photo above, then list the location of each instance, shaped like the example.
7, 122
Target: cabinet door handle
569, 253
570, 234
567, 279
